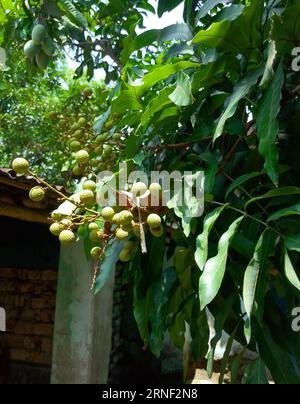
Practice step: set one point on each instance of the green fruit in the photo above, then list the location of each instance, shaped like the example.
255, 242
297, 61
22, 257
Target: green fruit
96, 236
75, 145
66, 223
109, 125
128, 245
52, 115
157, 232
87, 197
90, 185
37, 194
87, 91
42, 60
125, 256
78, 134
108, 214
117, 136
75, 127
136, 229
96, 252
127, 227
82, 122
155, 188
93, 226
154, 221
56, 229
82, 157
48, 46
126, 217
61, 123
38, 34
67, 237
107, 151
76, 171
104, 137
56, 216
20, 166
138, 189
98, 150
30, 49
117, 218
121, 234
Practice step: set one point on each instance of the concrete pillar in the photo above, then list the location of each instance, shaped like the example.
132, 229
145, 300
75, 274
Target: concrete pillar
83, 323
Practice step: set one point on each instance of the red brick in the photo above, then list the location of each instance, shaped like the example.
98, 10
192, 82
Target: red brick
26, 287
7, 286
28, 314
23, 328
19, 355
46, 345
19, 301
34, 275
49, 276
38, 303
43, 329
8, 273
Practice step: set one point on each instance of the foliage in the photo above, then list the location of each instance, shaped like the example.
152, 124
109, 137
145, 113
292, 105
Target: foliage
218, 94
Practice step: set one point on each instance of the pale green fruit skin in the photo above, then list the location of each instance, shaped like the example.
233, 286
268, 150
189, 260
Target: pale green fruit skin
126, 227
42, 60
67, 237
155, 187
82, 157
48, 46
30, 49
52, 115
87, 197
66, 223
20, 166
125, 256
37, 194
96, 236
139, 189
117, 218
75, 146
96, 252
126, 217
90, 186
76, 171
56, 216
121, 234
108, 214
38, 33
93, 226
56, 229
157, 232
154, 221
98, 150
117, 136
82, 122
87, 91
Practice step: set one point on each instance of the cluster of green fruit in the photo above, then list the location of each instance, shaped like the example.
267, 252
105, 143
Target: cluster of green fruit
40, 48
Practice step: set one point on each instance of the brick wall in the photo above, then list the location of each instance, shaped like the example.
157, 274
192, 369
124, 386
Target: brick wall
28, 297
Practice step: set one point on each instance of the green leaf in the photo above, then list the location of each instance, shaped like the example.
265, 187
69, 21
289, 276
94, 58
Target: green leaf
226, 355
274, 193
158, 103
214, 270
209, 221
239, 92
290, 211
241, 180
255, 373
268, 127
73, 13
101, 120
206, 7
167, 5
290, 272
269, 71
293, 242
182, 96
175, 32
127, 100
108, 264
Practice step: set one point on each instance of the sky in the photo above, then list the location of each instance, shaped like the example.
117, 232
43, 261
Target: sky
151, 22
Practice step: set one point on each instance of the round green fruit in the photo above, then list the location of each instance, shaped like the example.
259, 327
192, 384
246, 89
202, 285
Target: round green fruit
82, 157
87, 197
93, 226
66, 223
125, 256
154, 221
107, 151
121, 234
155, 188
67, 237
30, 49
126, 217
87, 92
128, 245
75, 145
98, 150
37, 194
117, 136
96, 252
42, 60
82, 122
157, 232
138, 189
52, 115
38, 34
96, 236
108, 214
90, 185
20, 166
76, 171
56, 229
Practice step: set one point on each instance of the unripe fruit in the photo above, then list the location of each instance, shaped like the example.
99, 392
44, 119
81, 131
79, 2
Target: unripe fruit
82, 122
136, 229
78, 134
108, 126
126, 227
90, 185
157, 232
154, 221
52, 115
20, 166
96, 236
138, 189
75, 145
125, 256
121, 234
107, 151
37, 194
38, 34
117, 136
67, 237
87, 91
56, 216
155, 188
30, 49
82, 157
87, 197
117, 218
126, 217
76, 171
93, 226
48, 46
96, 252
128, 245
98, 150
42, 60
108, 214
66, 223
56, 229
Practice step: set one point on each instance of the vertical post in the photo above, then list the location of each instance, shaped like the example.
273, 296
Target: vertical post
83, 323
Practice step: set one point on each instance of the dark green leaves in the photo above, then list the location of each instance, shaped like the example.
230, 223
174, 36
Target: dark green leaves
268, 127
167, 5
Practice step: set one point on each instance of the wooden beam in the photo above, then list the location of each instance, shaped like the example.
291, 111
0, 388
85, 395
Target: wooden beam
25, 214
